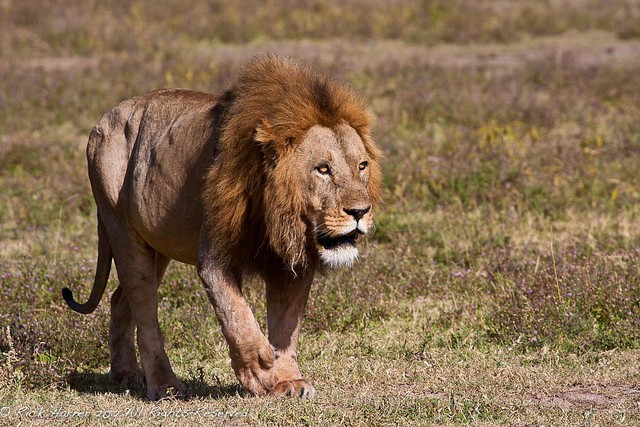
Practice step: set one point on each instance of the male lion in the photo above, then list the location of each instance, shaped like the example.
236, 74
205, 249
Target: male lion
278, 177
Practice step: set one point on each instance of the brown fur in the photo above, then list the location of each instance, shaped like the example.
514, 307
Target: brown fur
275, 101
233, 184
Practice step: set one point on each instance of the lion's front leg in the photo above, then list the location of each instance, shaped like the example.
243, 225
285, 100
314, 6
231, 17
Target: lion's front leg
286, 302
252, 358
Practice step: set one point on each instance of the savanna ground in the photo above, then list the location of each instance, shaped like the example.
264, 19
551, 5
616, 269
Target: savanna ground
502, 285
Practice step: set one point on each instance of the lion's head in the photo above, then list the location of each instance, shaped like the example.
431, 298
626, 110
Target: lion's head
296, 177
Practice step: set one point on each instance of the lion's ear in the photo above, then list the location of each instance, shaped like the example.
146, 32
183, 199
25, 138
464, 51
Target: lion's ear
273, 146
265, 133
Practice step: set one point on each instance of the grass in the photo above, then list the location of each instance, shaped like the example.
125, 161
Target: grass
502, 285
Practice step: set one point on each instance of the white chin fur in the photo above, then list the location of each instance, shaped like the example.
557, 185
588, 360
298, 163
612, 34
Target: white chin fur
342, 256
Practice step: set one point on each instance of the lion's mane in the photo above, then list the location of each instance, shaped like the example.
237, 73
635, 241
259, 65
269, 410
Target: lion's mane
252, 201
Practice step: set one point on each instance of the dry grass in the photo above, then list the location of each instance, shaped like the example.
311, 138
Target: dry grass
502, 285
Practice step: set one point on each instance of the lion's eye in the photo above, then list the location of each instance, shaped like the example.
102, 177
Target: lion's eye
362, 166
324, 169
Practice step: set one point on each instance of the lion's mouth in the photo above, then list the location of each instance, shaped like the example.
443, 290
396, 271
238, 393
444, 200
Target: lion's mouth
329, 242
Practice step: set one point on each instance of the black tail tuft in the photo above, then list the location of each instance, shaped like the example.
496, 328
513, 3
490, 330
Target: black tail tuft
86, 308
68, 296
103, 268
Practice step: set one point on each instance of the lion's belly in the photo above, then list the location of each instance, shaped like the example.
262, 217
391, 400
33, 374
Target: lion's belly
176, 242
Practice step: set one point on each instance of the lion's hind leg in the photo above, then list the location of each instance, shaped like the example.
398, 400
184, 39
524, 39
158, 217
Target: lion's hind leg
125, 369
124, 364
135, 302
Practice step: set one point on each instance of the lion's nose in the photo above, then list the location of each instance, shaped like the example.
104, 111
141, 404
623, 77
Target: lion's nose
357, 213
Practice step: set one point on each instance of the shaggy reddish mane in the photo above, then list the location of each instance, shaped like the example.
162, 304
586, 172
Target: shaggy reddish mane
253, 208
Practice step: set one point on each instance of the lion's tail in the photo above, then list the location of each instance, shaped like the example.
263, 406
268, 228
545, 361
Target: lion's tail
103, 268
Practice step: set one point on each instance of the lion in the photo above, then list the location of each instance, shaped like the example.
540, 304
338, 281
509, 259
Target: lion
277, 177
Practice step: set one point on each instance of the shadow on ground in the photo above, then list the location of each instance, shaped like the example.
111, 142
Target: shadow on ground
99, 383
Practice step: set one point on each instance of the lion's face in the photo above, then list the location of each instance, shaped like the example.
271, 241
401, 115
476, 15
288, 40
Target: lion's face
333, 171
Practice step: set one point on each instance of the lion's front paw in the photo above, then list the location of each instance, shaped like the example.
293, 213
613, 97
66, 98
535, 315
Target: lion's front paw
254, 369
255, 382
296, 388
274, 373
